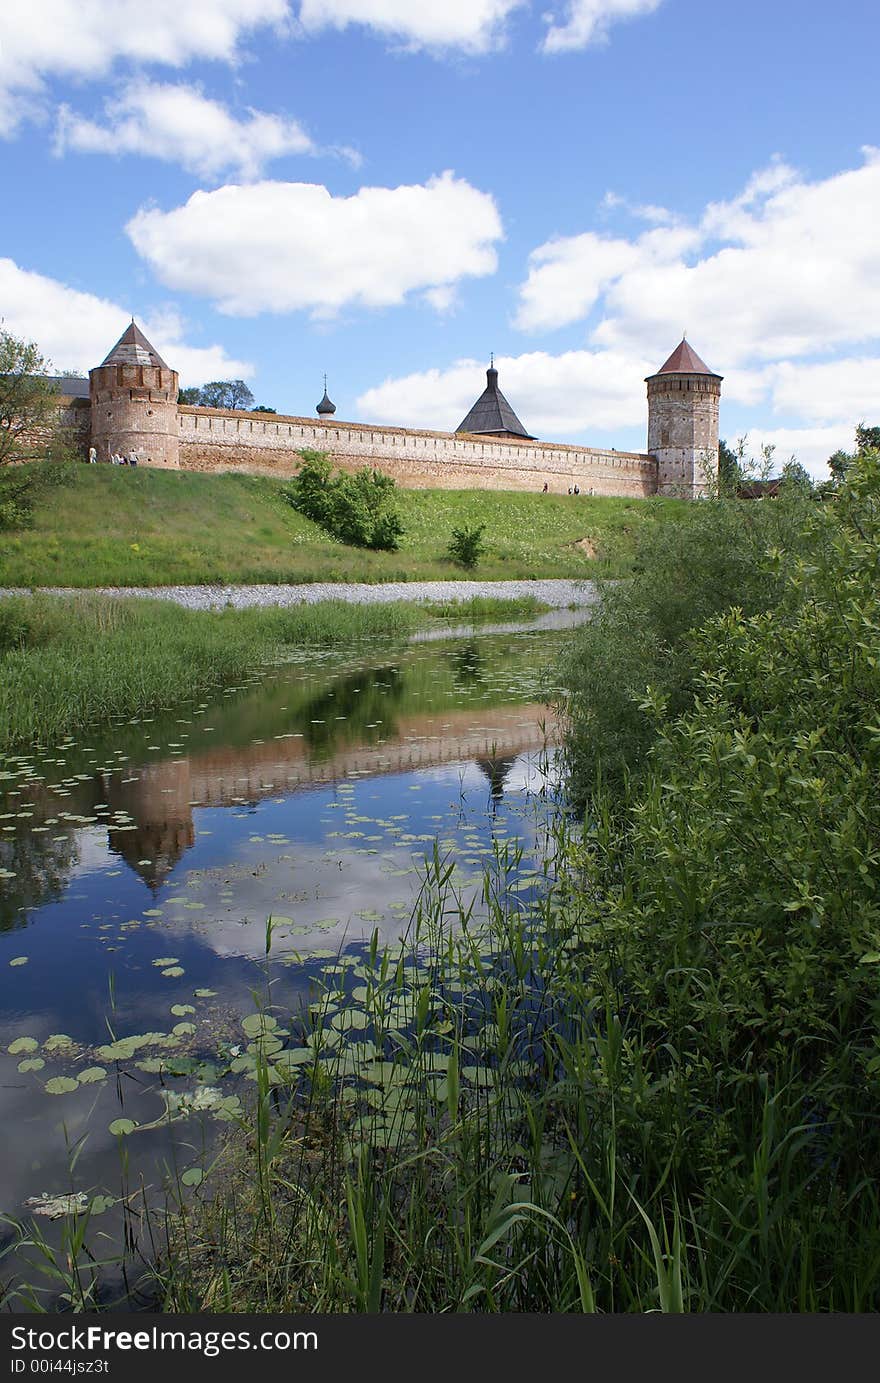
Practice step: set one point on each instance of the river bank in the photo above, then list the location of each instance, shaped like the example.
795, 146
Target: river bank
556, 592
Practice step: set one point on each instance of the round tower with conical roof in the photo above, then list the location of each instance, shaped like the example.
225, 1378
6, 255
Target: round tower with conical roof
134, 403
683, 399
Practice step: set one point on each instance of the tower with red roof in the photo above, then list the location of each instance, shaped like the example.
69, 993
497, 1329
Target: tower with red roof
683, 399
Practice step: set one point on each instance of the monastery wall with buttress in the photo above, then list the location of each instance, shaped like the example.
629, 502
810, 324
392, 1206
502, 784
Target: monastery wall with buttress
214, 439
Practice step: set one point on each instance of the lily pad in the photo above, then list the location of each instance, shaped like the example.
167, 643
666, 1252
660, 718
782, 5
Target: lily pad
60, 1085
123, 1126
91, 1075
22, 1044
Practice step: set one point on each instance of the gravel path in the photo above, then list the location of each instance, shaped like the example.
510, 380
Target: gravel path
557, 593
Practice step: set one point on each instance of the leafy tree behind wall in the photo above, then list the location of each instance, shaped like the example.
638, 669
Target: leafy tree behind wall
29, 430
28, 401
220, 393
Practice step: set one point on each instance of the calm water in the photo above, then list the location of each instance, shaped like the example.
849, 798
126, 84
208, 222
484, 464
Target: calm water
138, 870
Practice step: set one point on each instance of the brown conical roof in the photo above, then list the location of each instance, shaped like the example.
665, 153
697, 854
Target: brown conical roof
492, 415
133, 348
685, 361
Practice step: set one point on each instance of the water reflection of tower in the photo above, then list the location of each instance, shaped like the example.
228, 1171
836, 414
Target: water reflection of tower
496, 769
467, 665
158, 802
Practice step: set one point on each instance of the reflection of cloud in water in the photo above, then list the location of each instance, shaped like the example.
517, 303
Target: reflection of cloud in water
93, 852
324, 887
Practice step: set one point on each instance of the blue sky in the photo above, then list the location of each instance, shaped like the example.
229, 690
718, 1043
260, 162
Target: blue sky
388, 191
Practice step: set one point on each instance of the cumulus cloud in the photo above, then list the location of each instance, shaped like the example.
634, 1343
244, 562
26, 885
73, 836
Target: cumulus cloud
282, 247
84, 39
787, 268
181, 125
553, 395
831, 389
811, 446
75, 330
587, 22
473, 26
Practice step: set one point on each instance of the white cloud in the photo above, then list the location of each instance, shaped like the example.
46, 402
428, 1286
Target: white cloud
552, 395
77, 39
588, 21
474, 26
85, 40
811, 446
181, 125
833, 389
281, 247
75, 330
568, 275
788, 268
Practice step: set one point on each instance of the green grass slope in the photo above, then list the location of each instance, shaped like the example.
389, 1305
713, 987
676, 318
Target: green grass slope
119, 527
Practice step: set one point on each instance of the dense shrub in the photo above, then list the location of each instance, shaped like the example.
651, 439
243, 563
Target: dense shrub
356, 509
466, 546
739, 926
715, 556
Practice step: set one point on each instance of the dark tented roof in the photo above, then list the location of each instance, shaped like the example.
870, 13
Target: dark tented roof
133, 348
492, 413
685, 361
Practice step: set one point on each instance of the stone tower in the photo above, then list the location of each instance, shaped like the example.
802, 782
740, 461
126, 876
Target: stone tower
683, 398
134, 403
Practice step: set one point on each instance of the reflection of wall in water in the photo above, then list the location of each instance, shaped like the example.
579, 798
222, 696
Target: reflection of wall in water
161, 799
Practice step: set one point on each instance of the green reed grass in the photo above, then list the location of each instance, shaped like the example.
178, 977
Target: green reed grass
521, 1145
70, 663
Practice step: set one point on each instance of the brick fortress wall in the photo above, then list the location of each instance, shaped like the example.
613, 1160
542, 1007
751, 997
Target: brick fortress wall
215, 439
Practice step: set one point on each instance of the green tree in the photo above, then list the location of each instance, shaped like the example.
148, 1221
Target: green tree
30, 430
28, 402
356, 509
730, 472
225, 393
797, 477
838, 465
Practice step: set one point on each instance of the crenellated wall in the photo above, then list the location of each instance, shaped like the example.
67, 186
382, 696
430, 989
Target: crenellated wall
214, 439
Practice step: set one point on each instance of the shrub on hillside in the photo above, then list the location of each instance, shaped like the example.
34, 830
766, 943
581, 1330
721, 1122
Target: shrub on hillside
466, 546
356, 509
715, 556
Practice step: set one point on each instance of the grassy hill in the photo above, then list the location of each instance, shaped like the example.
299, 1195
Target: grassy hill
120, 527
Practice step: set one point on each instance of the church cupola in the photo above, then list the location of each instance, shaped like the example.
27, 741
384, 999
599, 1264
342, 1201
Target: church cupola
326, 408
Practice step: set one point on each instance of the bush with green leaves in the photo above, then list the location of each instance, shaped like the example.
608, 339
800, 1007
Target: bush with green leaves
739, 924
356, 509
716, 556
466, 546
